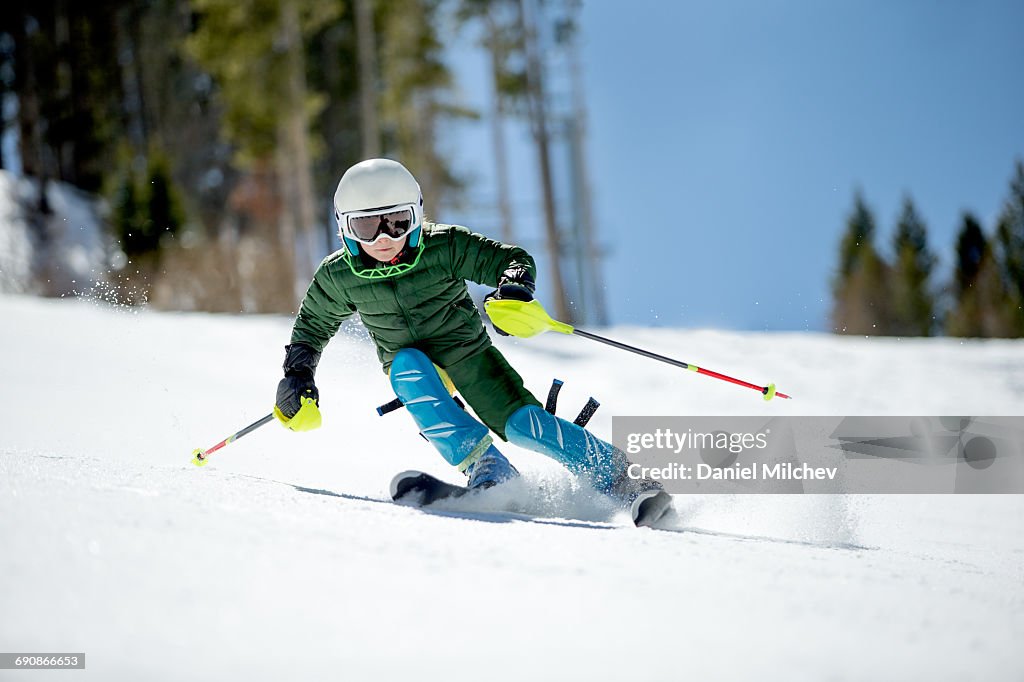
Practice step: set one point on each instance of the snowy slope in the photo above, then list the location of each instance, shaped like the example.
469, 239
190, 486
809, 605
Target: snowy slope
283, 559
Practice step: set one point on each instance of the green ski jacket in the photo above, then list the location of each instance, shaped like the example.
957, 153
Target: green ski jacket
427, 307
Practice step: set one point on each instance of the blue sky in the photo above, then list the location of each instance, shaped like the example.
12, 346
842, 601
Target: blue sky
726, 141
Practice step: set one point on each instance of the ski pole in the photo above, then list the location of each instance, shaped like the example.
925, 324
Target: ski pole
528, 318
199, 455
768, 391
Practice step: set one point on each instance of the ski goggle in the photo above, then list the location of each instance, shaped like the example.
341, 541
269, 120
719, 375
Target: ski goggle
369, 227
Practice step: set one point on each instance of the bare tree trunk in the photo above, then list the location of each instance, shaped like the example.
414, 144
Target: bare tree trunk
538, 118
131, 78
498, 130
294, 162
266, 243
33, 151
31, 123
422, 123
592, 298
333, 124
65, 147
367, 49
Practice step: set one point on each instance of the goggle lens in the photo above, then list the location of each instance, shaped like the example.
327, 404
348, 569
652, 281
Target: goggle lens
393, 225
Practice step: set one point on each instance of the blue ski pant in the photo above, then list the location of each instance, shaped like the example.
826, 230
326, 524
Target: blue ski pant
496, 393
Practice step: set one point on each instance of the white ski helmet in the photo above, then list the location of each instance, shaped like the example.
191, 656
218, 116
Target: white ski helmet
370, 193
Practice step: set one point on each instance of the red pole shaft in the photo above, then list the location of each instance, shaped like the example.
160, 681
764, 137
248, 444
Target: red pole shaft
235, 436
218, 446
678, 363
738, 382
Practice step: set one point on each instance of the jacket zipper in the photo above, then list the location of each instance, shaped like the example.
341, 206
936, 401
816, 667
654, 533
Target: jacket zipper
405, 313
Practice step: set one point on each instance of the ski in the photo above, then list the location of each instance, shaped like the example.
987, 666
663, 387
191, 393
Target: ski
422, 489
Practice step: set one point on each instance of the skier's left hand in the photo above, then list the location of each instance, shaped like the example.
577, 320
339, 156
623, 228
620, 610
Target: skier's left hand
515, 285
508, 292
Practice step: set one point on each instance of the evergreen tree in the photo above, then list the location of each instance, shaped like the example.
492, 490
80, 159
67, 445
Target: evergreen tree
145, 216
967, 317
163, 207
250, 50
971, 248
1010, 250
256, 53
332, 54
174, 110
912, 303
860, 301
129, 219
63, 68
981, 306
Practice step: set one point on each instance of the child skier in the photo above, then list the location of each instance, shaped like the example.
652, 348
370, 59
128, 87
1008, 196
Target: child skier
407, 279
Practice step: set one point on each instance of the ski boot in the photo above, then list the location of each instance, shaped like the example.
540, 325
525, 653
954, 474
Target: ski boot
489, 470
462, 440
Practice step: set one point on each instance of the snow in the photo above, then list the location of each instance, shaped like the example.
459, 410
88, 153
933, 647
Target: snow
284, 559
15, 240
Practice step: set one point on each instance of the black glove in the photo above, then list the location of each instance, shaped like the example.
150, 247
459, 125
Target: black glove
515, 284
299, 367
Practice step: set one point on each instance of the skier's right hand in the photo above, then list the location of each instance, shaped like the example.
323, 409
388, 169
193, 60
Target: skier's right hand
297, 402
290, 392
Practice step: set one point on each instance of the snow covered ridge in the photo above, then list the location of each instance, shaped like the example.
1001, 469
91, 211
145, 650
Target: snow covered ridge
284, 559
64, 252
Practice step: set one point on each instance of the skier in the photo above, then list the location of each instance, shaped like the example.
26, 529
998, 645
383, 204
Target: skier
406, 277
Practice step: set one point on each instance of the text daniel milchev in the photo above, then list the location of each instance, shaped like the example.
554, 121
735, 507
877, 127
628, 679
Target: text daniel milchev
667, 439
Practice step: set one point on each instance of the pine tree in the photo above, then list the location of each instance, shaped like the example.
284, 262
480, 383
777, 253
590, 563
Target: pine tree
144, 216
163, 207
256, 53
981, 305
912, 303
860, 301
63, 69
175, 110
1010, 251
129, 219
971, 248
967, 318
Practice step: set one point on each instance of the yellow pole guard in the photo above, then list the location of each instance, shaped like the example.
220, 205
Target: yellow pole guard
523, 318
306, 419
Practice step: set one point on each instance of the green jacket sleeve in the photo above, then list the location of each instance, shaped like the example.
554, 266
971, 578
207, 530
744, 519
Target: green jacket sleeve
482, 260
323, 310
